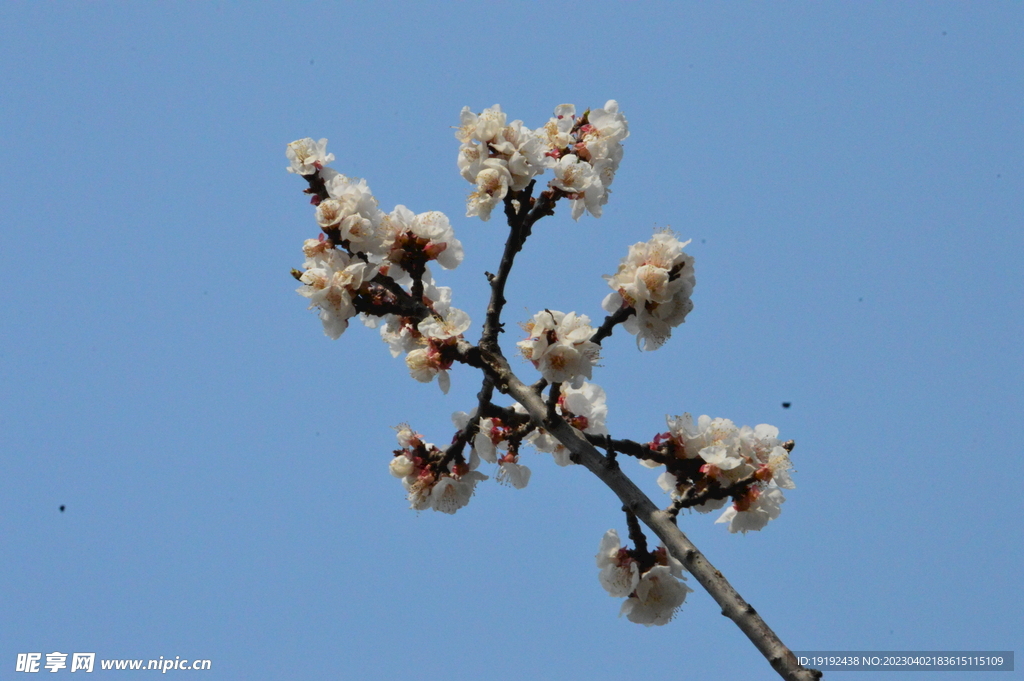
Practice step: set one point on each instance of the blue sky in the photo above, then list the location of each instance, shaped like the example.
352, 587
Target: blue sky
851, 175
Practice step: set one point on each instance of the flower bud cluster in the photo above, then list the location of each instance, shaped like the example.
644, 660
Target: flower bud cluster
559, 346
651, 583
583, 152
716, 452
656, 280
429, 484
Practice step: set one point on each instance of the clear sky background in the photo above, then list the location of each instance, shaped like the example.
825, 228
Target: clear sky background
851, 175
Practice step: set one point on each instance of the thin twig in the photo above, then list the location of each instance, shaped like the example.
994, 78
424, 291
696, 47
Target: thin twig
605, 330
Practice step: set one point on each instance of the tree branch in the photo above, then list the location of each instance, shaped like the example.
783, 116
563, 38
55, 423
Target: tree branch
520, 225
605, 330
662, 523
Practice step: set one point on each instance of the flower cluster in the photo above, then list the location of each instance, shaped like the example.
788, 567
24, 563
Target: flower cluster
656, 280
366, 254
726, 456
587, 152
331, 280
410, 240
444, 488
559, 346
492, 438
583, 152
496, 157
650, 582
350, 216
584, 408
430, 344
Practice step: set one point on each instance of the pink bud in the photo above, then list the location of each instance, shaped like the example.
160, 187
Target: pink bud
435, 249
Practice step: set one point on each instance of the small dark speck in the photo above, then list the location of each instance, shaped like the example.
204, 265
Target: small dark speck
204, 293
310, 62
785, 405
318, 433
703, 241
62, 508
860, 300
943, 33
999, 174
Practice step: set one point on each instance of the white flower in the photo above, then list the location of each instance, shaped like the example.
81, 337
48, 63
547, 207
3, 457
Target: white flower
483, 441
513, 474
473, 157
399, 335
420, 366
572, 175
721, 457
656, 599
483, 127
431, 343
667, 481
557, 132
601, 137
559, 346
454, 323
780, 466
619, 572
440, 297
491, 187
418, 489
588, 407
766, 505
717, 441
426, 486
307, 156
424, 364
583, 152
401, 466
653, 597
450, 494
